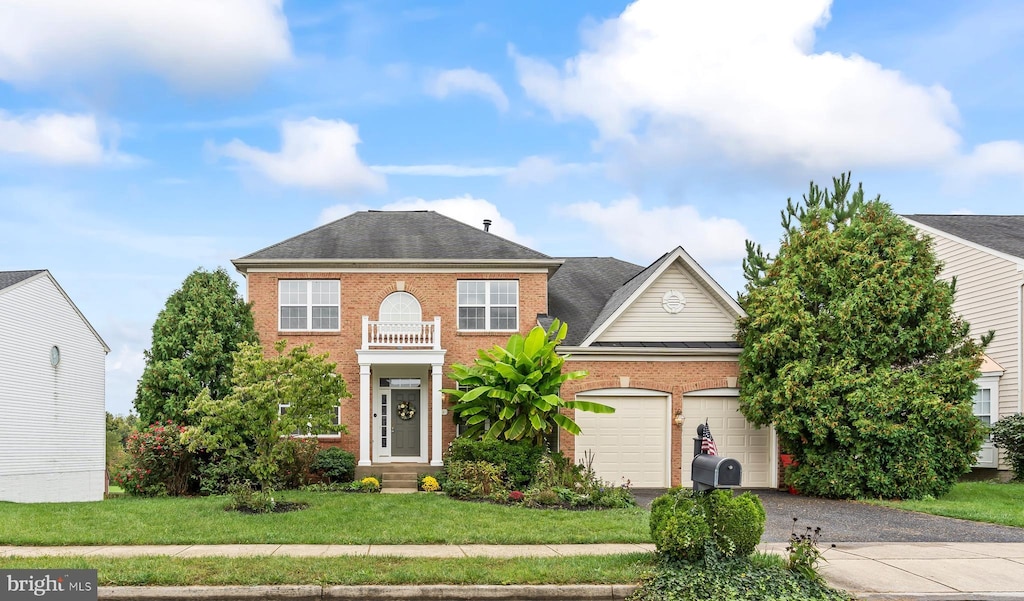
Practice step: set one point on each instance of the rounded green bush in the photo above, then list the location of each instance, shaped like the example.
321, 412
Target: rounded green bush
335, 464
738, 524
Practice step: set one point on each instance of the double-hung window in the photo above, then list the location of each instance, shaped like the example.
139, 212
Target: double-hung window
488, 305
335, 419
309, 305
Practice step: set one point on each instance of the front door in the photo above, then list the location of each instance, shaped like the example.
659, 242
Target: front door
405, 420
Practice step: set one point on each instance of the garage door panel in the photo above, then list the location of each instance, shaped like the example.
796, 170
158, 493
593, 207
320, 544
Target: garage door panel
734, 437
630, 444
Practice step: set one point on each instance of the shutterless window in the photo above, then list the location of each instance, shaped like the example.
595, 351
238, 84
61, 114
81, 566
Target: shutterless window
983, 405
309, 305
335, 420
488, 304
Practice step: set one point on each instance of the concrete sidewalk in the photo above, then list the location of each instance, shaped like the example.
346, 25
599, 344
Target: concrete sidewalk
870, 571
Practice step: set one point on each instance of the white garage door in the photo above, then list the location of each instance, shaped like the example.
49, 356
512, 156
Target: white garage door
734, 437
630, 444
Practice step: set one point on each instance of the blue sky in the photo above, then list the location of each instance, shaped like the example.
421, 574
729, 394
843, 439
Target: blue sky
142, 139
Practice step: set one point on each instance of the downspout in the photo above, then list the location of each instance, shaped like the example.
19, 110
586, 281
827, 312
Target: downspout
1020, 340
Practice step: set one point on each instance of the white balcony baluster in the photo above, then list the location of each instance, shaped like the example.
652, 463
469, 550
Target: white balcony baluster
404, 334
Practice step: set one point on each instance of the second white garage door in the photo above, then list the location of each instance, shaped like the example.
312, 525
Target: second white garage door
734, 436
630, 444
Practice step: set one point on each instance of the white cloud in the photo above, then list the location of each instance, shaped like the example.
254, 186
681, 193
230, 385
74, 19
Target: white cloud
195, 44
55, 138
442, 170
467, 81
543, 170
740, 80
469, 210
642, 234
315, 153
1003, 157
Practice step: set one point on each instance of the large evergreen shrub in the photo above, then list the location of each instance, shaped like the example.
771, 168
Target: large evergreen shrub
1008, 434
853, 353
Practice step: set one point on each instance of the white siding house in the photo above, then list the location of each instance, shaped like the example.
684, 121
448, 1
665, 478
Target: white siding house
52, 433
985, 253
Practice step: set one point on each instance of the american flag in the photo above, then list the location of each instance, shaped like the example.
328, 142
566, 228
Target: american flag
707, 443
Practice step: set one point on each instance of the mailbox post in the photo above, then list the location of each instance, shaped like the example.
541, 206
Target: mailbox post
709, 472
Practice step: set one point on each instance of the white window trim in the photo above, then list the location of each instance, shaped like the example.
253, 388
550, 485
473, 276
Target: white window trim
309, 306
487, 307
282, 407
990, 382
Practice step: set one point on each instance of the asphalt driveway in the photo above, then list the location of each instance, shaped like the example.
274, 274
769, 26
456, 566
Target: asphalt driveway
851, 521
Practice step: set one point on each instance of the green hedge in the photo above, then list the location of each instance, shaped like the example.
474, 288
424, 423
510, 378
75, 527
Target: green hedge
685, 526
519, 459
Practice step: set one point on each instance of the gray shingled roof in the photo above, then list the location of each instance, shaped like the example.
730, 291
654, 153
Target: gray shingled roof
1004, 233
580, 289
375, 235
10, 278
623, 293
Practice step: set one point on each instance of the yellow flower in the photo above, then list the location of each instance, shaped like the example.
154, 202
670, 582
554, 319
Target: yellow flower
430, 484
367, 481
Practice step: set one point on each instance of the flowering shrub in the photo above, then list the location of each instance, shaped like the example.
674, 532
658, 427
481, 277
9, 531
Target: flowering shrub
158, 463
515, 496
429, 484
369, 484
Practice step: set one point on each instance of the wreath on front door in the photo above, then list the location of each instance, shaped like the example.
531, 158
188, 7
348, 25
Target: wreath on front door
406, 410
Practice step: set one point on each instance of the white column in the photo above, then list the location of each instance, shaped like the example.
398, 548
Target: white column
435, 405
365, 414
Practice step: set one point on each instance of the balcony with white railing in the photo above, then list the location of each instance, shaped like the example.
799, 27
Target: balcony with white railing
401, 334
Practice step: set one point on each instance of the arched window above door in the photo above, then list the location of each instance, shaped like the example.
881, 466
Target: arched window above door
400, 307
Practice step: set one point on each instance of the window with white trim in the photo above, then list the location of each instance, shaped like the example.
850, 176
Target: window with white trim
309, 305
335, 420
488, 305
983, 405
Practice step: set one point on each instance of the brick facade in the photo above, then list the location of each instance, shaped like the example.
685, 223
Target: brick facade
361, 294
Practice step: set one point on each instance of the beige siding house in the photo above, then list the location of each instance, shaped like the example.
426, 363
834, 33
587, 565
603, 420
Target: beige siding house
985, 253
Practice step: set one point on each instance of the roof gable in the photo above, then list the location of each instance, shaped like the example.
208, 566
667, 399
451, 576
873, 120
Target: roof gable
1001, 233
10, 278
395, 235
626, 296
580, 289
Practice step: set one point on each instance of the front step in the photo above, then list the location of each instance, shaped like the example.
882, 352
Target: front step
396, 475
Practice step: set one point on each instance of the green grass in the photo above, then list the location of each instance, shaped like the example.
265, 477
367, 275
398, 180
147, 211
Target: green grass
332, 518
169, 571
992, 502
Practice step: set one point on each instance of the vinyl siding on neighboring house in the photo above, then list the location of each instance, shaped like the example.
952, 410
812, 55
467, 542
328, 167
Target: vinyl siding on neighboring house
702, 319
987, 296
52, 420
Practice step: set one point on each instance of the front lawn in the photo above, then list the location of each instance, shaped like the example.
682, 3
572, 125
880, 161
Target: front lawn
332, 518
347, 570
991, 502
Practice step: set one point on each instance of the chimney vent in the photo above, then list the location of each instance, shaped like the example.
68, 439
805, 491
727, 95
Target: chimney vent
487, 225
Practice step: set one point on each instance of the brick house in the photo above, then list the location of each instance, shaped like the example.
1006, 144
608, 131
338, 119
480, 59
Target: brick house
397, 297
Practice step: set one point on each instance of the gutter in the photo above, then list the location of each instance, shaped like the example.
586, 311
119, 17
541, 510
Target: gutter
615, 351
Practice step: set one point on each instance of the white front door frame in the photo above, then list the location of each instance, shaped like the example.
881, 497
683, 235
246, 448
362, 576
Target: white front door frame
426, 365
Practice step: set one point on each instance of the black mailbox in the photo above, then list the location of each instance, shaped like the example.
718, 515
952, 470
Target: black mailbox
711, 471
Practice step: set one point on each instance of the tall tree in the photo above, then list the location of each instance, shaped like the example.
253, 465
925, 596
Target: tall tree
512, 392
247, 424
851, 349
194, 337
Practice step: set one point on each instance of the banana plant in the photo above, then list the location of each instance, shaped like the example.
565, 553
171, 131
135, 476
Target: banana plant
512, 392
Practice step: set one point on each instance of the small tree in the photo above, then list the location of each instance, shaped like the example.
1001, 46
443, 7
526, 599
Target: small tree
512, 392
194, 336
851, 349
1008, 434
248, 424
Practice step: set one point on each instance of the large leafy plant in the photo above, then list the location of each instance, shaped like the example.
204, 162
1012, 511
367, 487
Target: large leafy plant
512, 392
247, 424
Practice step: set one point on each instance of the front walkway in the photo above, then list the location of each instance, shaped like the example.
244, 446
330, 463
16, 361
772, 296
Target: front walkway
870, 571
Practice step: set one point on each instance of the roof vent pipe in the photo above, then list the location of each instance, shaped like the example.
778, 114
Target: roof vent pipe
487, 225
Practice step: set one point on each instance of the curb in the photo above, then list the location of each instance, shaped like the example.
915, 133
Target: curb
993, 596
447, 592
